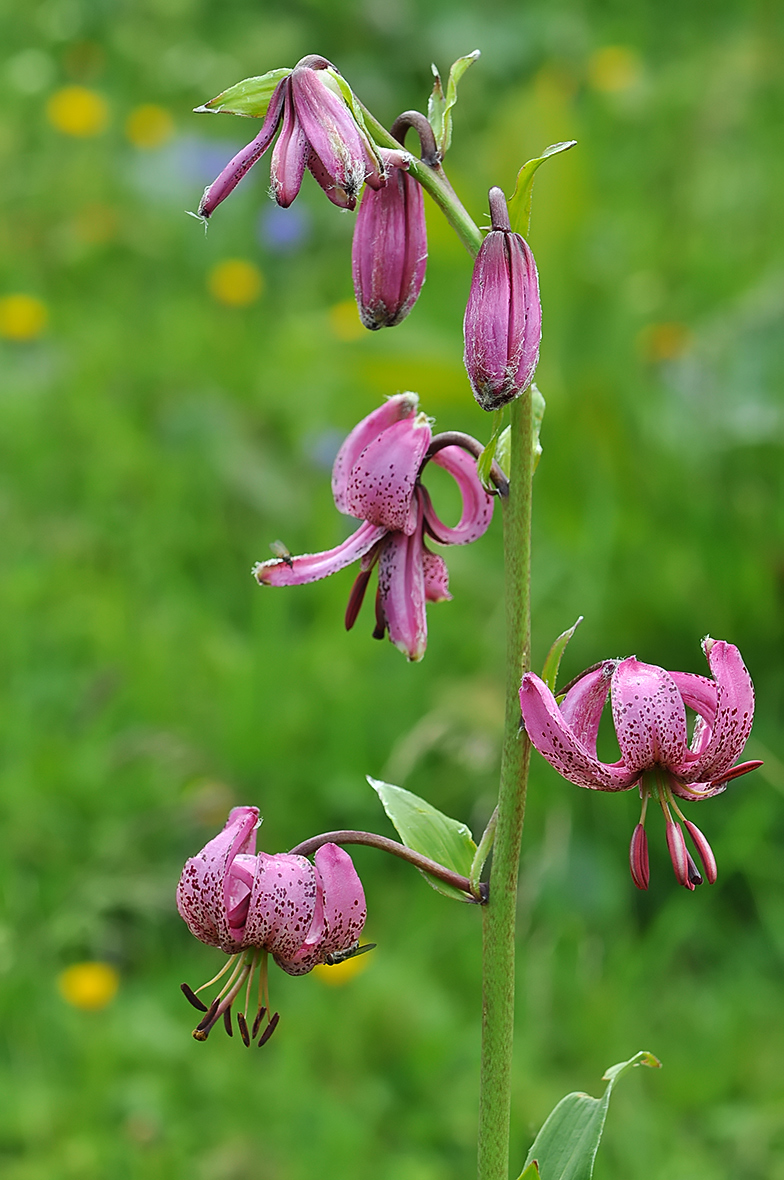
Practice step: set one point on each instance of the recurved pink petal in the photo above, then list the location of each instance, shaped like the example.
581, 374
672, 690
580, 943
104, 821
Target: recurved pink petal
394, 409
310, 567
203, 892
556, 742
380, 485
236, 168
282, 904
699, 693
436, 577
401, 593
734, 714
649, 715
288, 157
337, 195
477, 504
582, 706
343, 910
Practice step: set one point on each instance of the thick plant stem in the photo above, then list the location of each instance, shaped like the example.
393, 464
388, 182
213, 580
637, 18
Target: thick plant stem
500, 913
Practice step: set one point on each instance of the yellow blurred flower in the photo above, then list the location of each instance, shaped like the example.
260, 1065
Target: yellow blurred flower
22, 317
89, 986
75, 110
614, 68
664, 342
149, 126
235, 282
345, 322
342, 972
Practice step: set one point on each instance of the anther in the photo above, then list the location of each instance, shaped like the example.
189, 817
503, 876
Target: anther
192, 998
206, 1023
242, 1025
704, 851
694, 873
638, 858
257, 1023
269, 1030
227, 1021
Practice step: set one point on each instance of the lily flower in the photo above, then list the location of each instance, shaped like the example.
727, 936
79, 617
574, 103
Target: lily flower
318, 131
649, 711
376, 478
253, 904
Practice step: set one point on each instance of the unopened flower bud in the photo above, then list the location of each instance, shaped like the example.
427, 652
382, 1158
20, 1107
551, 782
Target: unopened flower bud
389, 254
638, 858
503, 318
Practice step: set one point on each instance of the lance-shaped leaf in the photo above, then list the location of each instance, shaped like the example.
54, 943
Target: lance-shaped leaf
484, 463
538, 407
427, 830
520, 204
251, 97
500, 445
553, 661
439, 105
566, 1146
531, 1172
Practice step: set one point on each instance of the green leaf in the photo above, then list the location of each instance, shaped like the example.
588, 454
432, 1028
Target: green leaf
250, 97
439, 106
566, 1146
485, 461
430, 832
520, 204
553, 661
531, 1172
503, 451
538, 406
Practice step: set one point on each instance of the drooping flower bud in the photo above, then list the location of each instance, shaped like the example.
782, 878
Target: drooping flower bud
389, 253
503, 318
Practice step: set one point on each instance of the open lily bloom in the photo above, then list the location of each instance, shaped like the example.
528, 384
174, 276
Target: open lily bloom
250, 904
318, 131
649, 712
376, 477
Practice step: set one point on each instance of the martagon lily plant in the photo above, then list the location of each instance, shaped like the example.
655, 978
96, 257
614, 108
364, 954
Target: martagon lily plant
250, 905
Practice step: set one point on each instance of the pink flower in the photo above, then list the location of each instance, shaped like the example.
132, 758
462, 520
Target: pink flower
250, 903
376, 477
649, 711
318, 131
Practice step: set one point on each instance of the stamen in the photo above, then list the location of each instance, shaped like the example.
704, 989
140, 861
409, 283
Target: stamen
202, 1029
704, 851
638, 858
242, 1025
269, 1030
227, 1022
192, 998
694, 875
223, 970
257, 1023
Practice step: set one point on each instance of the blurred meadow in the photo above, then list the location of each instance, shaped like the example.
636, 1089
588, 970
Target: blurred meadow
171, 403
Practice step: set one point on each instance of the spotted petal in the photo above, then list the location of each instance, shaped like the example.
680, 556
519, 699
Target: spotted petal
649, 716
380, 485
582, 706
556, 741
401, 593
734, 714
402, 405
236, 168
342, 911
282, 904
204, 891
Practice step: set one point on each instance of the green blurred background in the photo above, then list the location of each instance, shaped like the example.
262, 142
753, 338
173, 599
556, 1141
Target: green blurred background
164, 417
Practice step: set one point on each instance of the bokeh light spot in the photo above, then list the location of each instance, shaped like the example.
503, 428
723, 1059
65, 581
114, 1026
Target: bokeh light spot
664, 342
149, 126
75, 110
22, 317
89, 986
614, 68
345, 322
235, 282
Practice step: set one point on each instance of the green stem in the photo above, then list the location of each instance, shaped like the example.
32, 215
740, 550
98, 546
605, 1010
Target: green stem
437, 184
501, 911
499, 915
